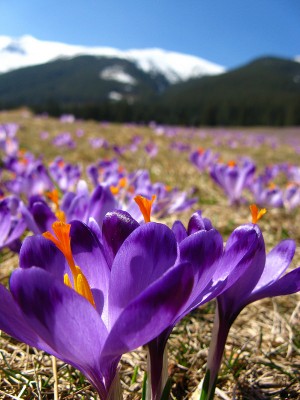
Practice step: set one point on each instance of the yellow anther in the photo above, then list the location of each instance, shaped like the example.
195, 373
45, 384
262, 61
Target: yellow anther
145, 206
256, 213
82, 287
67, 281
60, 215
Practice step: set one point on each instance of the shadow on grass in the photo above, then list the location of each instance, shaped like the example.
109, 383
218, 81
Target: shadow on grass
247, 391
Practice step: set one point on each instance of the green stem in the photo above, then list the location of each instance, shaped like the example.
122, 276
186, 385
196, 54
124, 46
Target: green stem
216, 349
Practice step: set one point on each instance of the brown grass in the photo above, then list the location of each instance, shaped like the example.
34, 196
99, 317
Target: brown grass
262, 359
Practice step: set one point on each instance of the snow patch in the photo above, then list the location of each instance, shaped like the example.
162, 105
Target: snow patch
117, 73
115, 96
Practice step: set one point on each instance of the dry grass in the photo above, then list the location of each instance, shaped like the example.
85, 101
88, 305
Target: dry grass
262, 359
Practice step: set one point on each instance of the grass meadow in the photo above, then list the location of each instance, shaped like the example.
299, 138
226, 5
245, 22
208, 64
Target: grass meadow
262, 357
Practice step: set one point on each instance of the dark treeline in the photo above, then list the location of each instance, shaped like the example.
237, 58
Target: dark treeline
208, 114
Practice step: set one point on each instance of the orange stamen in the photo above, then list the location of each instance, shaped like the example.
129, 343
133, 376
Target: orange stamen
24, 161
21, 152
53, 196
62, 241
200, 150
122, 182
231, 163
114, 189
256, 214
145, 206
272, 186
61, 164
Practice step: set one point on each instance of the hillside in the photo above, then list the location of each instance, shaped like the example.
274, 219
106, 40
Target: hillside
264, 92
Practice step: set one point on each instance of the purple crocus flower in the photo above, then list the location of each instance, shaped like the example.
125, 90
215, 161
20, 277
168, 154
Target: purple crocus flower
32, 181
83, 206
66, 175
79, 205
203, 159
214, 270
263, 277
291, 197
12, 224
87, 303
233, 178
268, 196
151, 149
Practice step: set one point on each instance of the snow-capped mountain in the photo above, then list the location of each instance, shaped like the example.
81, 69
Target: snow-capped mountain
25, 51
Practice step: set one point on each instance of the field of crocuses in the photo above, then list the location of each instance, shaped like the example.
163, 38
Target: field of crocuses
148, 262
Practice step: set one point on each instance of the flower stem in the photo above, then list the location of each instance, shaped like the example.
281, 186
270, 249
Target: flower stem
216, 349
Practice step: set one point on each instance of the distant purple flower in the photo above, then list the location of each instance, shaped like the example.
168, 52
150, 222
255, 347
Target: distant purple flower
233, 178
65, 175
64, 139
44, 135
291, 196
80, 133
67, 118
32, 181
203, 159
266, 195
12, 224
98, 142
151, 149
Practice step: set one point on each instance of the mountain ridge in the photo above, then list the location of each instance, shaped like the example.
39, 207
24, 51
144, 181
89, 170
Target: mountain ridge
266, 91
28, 51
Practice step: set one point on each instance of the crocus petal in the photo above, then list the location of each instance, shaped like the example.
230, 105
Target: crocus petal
28, 217
151, 312
202, 249
4, 225
197, 223
234, 299
40, 252
43, 216
288, 284
179, 231
238, 255
117, 226
277, 262
89, 256
17, 230
101, 202
144, 257
12, 321
66, 321
94, 227
77, 208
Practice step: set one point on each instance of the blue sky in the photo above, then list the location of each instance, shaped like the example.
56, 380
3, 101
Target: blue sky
227, 32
